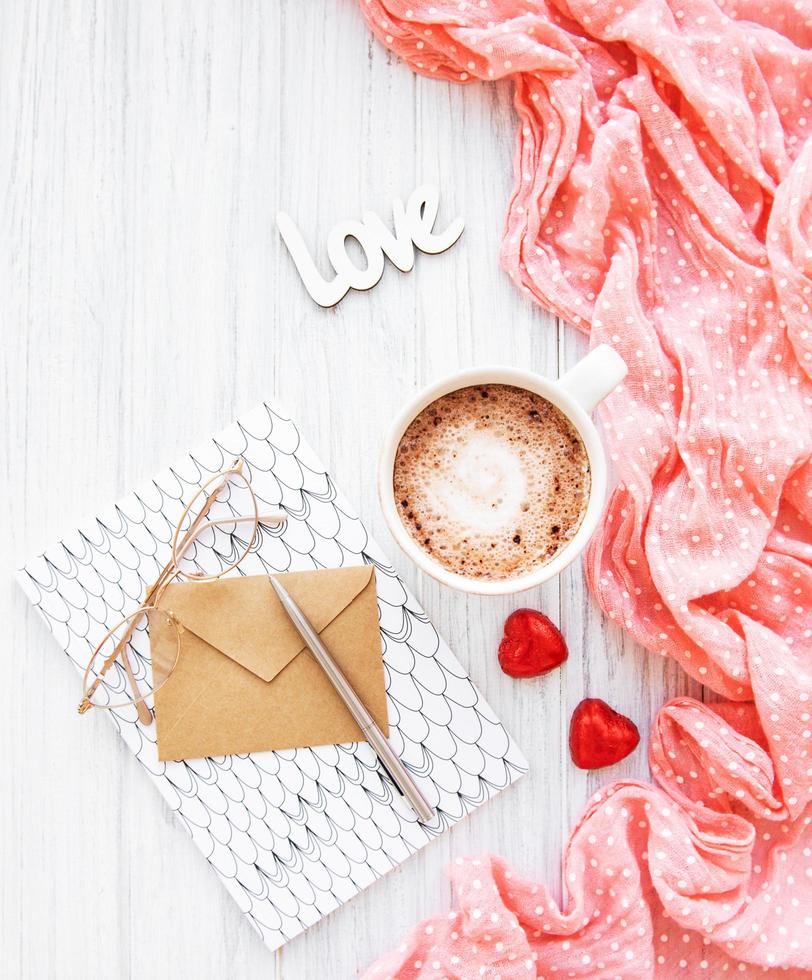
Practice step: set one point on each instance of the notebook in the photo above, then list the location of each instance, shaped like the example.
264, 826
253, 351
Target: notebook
292, 834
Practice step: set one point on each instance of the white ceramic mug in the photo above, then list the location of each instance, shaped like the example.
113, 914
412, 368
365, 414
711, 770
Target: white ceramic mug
576, 394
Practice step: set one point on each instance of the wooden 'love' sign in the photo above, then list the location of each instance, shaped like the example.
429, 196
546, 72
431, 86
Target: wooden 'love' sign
414, 226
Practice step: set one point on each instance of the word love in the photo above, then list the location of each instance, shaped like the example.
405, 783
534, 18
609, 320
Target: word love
414, 226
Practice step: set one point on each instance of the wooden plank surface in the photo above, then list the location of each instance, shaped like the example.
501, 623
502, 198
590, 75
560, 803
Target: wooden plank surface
145, 300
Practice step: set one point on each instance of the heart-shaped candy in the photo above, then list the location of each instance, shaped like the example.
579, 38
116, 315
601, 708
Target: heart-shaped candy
532, 644
600, 736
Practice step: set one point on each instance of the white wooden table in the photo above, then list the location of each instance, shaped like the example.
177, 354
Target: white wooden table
145, 299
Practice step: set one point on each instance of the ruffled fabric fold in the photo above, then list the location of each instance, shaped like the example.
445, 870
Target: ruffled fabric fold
700, 872
663, 202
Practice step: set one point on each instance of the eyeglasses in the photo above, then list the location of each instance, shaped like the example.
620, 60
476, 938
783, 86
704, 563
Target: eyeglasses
119, 671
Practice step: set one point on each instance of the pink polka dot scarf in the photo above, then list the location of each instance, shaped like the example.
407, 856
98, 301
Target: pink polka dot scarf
690, 876
662, 202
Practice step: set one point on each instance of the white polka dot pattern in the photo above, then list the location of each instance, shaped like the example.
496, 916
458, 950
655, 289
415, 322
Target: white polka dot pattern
708, 871
663, 201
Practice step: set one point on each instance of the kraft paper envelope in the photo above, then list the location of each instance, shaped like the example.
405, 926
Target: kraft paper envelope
244, 681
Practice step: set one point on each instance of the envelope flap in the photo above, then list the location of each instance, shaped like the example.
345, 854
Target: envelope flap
243, 618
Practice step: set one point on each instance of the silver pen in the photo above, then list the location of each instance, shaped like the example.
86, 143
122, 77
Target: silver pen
400, 775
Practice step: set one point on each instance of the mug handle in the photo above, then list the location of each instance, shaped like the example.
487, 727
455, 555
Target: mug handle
594, 377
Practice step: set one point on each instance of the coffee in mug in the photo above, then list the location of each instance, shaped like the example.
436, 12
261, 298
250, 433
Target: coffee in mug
492, 481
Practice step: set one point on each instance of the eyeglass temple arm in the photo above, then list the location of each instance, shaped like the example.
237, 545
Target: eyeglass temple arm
199, 524
120, 649
143, 712
277, 517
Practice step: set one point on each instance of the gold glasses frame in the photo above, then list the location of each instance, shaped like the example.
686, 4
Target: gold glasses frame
181, 542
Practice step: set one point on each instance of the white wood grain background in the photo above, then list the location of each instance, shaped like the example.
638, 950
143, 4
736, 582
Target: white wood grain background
145, 299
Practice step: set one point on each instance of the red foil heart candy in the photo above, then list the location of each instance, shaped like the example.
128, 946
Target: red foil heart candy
531, 645
600, 736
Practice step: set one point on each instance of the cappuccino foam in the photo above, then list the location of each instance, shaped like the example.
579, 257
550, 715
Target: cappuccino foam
492, 481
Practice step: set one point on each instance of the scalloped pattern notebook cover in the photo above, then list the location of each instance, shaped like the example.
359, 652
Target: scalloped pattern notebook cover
292, 834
